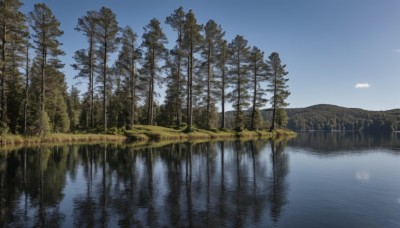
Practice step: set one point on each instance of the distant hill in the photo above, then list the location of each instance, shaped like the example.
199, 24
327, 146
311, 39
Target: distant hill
332, 117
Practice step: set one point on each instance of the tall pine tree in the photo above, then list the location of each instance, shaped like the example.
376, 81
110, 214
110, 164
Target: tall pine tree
85, 58
177, 23
240, 80
154, 40
47, 47
222, 64
13, 39
192, 42
106, 37
258, 69
128, 58
277, 86
213, 35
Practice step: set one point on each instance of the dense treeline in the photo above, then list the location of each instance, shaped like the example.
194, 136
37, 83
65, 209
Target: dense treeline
331, 117
123, 73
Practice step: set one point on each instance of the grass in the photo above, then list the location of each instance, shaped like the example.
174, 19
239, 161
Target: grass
142, 133
145, 132
14, 140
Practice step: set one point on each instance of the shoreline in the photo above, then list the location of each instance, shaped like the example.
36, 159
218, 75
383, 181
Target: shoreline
141, 133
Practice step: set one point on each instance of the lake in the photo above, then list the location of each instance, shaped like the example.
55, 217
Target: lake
338, 179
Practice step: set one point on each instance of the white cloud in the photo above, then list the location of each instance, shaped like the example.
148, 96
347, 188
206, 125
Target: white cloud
362, 86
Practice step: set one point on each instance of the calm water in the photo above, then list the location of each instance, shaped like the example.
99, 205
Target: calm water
315, 180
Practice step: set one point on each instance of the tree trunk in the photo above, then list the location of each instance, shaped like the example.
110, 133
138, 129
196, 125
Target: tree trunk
223, 98
26, 92
274, 105
253, 113
3, 98
104, 85
190, 117
151, 90
238, 87
188, 92
133, 94
178, 94
178, 98
208, 86
91, 82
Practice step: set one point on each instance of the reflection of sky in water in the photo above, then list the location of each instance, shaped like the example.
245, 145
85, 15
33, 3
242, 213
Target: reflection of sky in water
362, 176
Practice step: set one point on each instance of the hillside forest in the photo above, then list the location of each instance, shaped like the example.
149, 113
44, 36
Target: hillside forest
122, 74
331, 117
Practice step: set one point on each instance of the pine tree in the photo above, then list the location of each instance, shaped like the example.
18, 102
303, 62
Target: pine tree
106, 38
128, 57
258, 69
46, 33
173, 92
192, 41
153, 41
212, 39
26, 91
240, 81
74, 108
177, 23
277, 86
85, 59
222, 63
13, 39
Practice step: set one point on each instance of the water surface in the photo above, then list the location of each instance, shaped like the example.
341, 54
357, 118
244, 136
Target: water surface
316, 180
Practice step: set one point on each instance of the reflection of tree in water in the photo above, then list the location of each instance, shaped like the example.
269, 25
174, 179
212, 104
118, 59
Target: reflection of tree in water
85, 205
221, 184
278, 189
32, 183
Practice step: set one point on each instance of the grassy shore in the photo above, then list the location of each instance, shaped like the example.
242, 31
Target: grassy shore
7, 140
143, 133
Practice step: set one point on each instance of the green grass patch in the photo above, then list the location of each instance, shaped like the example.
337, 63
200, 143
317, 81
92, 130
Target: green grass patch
144, 133
58, 138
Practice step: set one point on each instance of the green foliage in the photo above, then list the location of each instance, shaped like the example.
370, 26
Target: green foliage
200, 68
281, 118
331, 117
277, 86
13, 42
239, 96
258, 121
154, 40
42, 125
4, 128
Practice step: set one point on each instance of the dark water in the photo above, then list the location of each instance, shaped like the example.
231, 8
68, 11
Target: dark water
315, 180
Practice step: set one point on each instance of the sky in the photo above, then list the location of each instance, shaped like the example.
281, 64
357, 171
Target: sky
341, 52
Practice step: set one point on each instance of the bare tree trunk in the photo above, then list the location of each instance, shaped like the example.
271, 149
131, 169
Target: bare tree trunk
151, 91
238, 87
133, 94
91, 81
178, 93
26, 91
223, 99
274, 106
253, 113
190, 117
104, 85
209, 86
3, 98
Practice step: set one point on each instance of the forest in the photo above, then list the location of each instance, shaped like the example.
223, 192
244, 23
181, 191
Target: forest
331, 117
202, 73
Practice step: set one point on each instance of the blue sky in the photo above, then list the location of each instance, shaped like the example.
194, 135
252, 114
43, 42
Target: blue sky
329, 46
